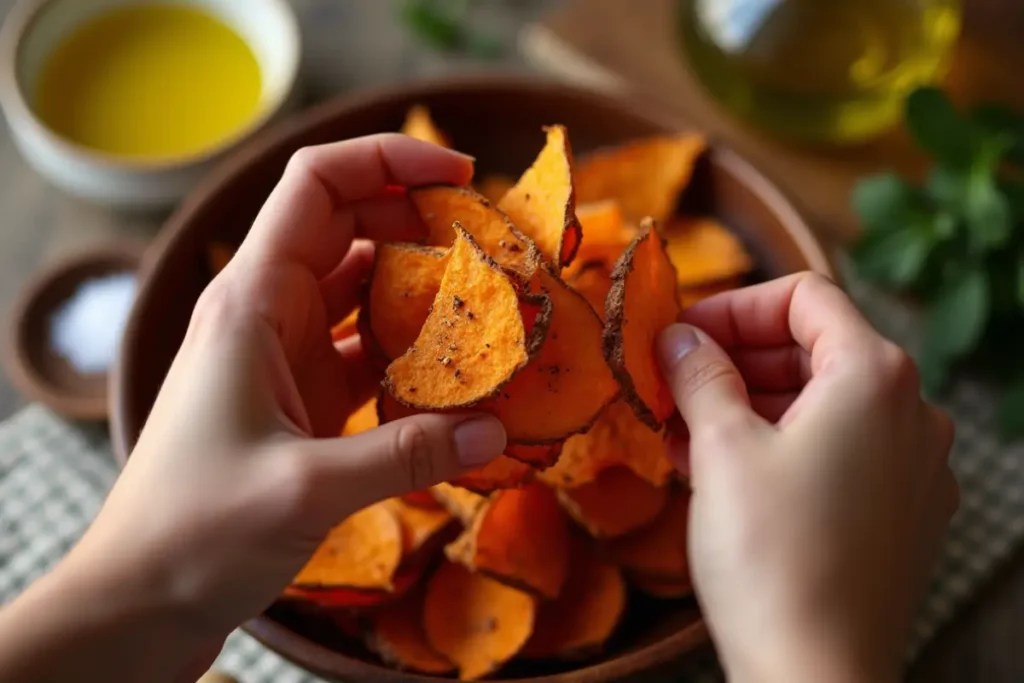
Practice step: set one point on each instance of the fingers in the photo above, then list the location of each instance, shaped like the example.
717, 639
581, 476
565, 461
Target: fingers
406, 455
706, 385
782, 368
341, 289
317, 208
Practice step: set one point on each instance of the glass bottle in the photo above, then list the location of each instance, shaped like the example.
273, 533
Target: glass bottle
831, 71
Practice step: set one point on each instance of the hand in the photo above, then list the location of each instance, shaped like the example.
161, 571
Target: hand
239, 474
821, 488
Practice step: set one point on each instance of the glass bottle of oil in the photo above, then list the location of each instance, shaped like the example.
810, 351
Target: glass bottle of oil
823, 71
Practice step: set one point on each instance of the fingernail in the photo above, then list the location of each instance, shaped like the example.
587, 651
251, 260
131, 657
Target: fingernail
674, 342
479, 440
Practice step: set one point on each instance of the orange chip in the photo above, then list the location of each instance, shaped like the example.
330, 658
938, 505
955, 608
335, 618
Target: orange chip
350, 598
658, 550
346, 328
363, 420
585, 615
475, 339
421, 527
538, 457
646, 177
441, 206
362, 552
495, 186
462, 503
615, 503
218, 254
476, 622
643, 301
617, 438
704, 251
420, 499
520, 537
420, 125
606, 233
397, 301
542, 204
660, 587
567, 385
593, 279
397, 635
691, 295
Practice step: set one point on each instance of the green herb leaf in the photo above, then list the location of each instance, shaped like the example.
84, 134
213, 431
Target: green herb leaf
894, 257
937, 128
1014, 193
1011, 411
988, 213
883, 201
996, 119
957, 316
947, 187
432, 25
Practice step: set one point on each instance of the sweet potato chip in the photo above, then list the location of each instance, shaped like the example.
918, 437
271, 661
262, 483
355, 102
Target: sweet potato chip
615, 503
346, 328
218, 254
660, 587
659, 549
420, 499
538, 457
646, 177
420, 125
691, 295
463, 504
520, 537
543, 204
421, 526
362, 552
475, 339
397, 635
606, 232
476, 622
642, 302
563, 390
350, 598
441, 206
704, 251
363, 420
397, 301
593, 280
495, 186
617, 438
586, 613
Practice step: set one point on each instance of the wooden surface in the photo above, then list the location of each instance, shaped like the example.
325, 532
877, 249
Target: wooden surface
634, 43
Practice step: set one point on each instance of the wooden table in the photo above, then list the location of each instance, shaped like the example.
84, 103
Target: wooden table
354, 43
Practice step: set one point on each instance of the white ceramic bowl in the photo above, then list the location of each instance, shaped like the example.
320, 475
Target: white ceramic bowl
36, 27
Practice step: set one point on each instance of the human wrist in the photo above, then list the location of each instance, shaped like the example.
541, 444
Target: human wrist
806, 660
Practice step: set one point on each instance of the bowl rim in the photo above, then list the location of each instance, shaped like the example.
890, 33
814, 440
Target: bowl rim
21, 20
277, 637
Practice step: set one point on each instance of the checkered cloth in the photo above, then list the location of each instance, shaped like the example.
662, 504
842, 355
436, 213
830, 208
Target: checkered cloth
54, 476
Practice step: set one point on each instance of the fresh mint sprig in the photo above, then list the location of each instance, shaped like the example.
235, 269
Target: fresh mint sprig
956, 243
444, 25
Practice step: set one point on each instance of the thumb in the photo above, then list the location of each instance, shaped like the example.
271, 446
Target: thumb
410, 454
708, 389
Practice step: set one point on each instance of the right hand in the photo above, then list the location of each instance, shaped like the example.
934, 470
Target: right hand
821, 484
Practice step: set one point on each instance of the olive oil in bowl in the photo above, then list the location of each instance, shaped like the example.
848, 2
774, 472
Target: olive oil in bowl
824, 71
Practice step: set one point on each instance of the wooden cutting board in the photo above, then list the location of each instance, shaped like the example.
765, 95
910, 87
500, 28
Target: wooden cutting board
632, 48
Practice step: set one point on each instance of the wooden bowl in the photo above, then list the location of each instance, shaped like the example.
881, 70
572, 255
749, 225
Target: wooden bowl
38, 371
499, 121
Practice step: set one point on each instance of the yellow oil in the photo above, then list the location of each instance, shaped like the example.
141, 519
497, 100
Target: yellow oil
833, 71
154, 81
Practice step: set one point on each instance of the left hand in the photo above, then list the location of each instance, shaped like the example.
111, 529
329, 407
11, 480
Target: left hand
239, 473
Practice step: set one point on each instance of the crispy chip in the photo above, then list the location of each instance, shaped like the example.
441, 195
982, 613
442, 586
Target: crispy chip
397, 300
363, 420
660, 587
616, 503
691, 295
420, 499
617, 438
520, 537
658, 550
703, 251
362, 552
351, 598
643, 301
218, 254
563, 390
346, 328
543, 204
397, 635
462, 503
495, 186
420, 125
538, 457
441, 206
476, 622
586, 613
475, 339
646, 177
422, 528
606, 233
593, 280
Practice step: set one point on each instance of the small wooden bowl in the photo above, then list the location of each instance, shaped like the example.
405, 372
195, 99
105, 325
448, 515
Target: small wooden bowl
498, 120
34, 367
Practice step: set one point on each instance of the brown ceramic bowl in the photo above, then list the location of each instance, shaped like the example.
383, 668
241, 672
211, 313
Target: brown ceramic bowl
498, 121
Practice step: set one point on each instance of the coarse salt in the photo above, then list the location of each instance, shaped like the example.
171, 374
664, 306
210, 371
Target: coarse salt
86, 330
